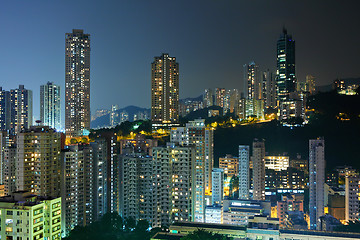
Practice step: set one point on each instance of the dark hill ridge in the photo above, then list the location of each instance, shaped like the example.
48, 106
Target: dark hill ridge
104, 121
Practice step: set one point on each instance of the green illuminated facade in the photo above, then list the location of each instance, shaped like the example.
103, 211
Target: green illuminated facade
28, 217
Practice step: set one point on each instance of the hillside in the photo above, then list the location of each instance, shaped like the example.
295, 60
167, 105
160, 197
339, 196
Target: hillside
341, 132
104, 121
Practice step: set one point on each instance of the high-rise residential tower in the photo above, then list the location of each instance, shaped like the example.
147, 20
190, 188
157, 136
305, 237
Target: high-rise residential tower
285, 74
258, 159
269, 89
253, 87
164, 91
317, 181
4, 109
173, 184
77, 83
21, 112
208, 98
38, 161
220, 97
217, 187
244, 169
196, 133
50, 114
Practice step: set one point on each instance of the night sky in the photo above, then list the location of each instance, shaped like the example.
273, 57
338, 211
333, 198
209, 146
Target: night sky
210, 39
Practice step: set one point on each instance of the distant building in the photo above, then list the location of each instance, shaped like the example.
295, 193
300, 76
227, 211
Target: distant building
4, 110
230, 165
217, 186
220, 97
21, 111
352, 195
238, 212
77, 83
114, 115
50, 111
285, 74
244, 171
258, 159
317, 181
277, 163
208, 98
252, 81
269, 89
294, 220
288, 203
310, 84
214, 214
328, 223
29, 216
164, 91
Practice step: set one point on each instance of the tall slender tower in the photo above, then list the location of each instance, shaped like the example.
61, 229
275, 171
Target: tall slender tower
252, 81
244, 175
50, 114
77, 83
258, 159
285, 74
317, 181
164, 91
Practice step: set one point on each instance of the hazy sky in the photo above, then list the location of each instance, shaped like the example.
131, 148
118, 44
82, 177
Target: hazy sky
210, 39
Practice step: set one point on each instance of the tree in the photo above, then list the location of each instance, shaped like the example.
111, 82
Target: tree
202, 234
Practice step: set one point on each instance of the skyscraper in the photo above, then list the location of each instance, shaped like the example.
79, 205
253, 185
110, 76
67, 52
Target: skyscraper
253, 86
317, 181
164, 91
21, 112
258, 159
269, 89
77, 83
244, 175
285, 74
50, 114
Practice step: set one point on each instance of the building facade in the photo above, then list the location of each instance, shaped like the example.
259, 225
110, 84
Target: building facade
77, 83
285, 73
317, 181
173, 184
38, 161
244, 171
258, 159
50, 110
27, 216
217, 186
21, 111
164, 91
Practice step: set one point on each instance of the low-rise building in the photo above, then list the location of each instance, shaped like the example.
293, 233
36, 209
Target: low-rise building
27, 216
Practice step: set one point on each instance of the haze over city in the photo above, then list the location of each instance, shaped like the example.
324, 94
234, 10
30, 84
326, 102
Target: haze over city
211, 40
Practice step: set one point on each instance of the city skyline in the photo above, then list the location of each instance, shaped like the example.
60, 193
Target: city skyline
210, 42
